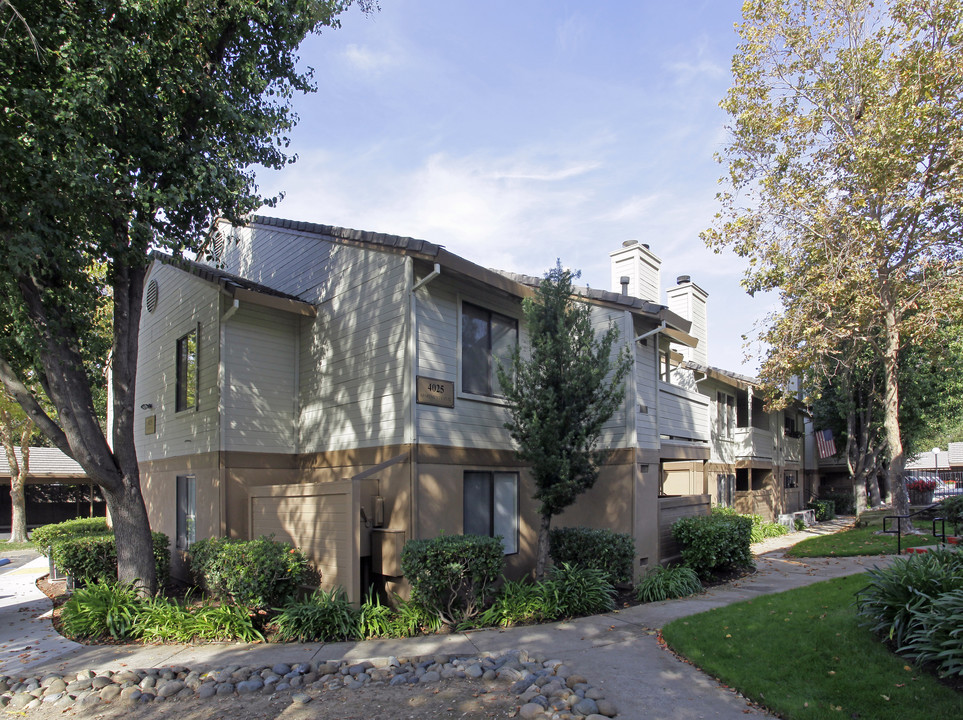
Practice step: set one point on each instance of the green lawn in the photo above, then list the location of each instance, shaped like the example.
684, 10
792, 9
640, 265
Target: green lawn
802, 655
861, 540
7, 547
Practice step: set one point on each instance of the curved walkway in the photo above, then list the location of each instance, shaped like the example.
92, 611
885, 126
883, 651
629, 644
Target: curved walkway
618, 651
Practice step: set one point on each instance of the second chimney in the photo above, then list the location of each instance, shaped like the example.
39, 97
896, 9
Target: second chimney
690, 301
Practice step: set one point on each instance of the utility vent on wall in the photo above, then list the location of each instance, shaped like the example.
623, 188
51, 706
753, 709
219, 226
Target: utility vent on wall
217, 245
151, 300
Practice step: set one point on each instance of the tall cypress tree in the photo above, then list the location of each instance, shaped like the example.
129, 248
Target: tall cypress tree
560, 396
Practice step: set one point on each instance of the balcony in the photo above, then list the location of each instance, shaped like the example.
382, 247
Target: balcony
683, 414
753, 442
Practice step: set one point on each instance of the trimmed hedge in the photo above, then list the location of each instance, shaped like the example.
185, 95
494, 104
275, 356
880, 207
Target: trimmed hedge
452, 576
824, 509
714, 543
844, 503
259, 574
598, 549
92, 559
46, 535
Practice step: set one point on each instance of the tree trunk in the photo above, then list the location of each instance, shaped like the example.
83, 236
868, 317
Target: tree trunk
135, 551
894, 441
541, 553
18, 502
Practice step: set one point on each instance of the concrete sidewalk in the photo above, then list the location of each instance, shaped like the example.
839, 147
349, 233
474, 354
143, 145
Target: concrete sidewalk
618, 652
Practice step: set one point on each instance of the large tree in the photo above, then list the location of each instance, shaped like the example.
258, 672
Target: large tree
15, 432
560, 395
131, 127
845, 164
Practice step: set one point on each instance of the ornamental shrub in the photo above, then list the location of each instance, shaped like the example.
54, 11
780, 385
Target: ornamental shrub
714, 543
844, 503
93, 558
452, 576
258, 574
101, 609
823, 509
323, 616
602, 549
951, 509
664, 583
572, 591
46, 535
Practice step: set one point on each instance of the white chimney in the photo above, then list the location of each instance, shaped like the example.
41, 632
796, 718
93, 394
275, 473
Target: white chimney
642, 268
690, 301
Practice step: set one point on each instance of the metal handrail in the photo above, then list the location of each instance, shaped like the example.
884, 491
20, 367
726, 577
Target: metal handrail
899, 526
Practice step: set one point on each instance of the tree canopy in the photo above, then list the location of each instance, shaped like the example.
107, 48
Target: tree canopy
560, 396
845, 181
130, 126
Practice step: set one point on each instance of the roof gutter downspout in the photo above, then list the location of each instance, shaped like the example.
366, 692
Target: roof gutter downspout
649, 334
427, 278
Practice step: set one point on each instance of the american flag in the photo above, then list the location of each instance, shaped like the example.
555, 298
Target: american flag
825, 443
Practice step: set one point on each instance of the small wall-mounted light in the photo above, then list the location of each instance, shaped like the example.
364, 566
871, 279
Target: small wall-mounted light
146, 406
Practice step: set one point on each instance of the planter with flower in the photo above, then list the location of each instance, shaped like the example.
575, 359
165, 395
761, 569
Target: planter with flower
921, 491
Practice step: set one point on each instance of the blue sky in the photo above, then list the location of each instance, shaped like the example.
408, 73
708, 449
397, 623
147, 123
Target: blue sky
515, 133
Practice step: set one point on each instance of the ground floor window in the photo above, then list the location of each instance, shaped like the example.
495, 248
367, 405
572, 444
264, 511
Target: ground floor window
790, 479
186, 511
491, 506
726, 489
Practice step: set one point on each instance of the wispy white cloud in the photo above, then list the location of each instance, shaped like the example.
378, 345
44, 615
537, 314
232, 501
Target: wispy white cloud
570, 32
367, 60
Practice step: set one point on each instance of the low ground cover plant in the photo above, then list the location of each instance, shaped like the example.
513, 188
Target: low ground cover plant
916, 603
838, 669
599, 548
714, 543
665, 583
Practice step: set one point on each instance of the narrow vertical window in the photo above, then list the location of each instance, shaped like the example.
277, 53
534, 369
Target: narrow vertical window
186, 372
491, 506
186, 511
487, 338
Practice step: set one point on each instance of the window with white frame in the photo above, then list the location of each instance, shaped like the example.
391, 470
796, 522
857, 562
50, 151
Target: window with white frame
790, 479
186, 372
186, 511
491, 506
725, 415
487, 338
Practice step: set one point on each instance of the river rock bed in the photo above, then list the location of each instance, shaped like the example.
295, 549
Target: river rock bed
545, 688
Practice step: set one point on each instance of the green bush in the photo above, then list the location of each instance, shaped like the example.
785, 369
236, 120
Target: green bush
323, 616
46, 535
411, 619
99, 610
910, 585
258, 574
823, 509
375, 620
452, 575
664, 583
517, 602
714, 543
606, 550
93, 558
951, 509
844, 503
572, 591
934, 634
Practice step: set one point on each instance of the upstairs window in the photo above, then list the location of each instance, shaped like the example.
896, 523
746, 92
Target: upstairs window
486, 338
725, 415
186, 372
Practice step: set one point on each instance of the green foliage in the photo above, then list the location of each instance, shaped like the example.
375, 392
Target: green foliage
518, 602
160, 619
375, 619
258, 574
575, 591
323, 616
761, 529
101, 610
46, 535
665, 583
823, 509
714, 543
599, 548
93, 558
935, 634
844, 503
951, 509
452, 575
411, 619
866, 539
912, 585
561, 395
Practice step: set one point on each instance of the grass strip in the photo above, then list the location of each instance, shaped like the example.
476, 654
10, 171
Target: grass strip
802, 654
860, 540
